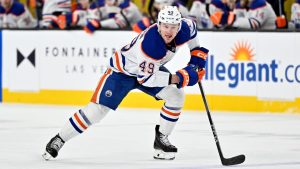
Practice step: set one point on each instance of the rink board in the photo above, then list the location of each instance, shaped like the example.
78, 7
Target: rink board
246, 71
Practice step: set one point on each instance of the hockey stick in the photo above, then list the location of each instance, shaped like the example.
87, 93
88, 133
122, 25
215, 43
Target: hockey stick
225, 161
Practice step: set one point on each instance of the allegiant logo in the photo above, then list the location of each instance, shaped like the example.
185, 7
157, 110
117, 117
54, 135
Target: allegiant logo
243, 67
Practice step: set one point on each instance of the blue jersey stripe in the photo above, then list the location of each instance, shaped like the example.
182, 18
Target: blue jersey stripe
84, 117
167, 118
74, 125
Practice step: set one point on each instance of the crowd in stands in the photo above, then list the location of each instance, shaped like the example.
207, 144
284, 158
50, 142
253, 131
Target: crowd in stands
91, 15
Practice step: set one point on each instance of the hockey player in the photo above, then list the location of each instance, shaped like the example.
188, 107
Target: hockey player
260, 15
295, 15
52, 9
114, 14
15, 15
199, 14
139, 65
77, 17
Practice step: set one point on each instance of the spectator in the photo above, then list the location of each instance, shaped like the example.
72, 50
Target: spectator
15, 15
77, 17
295, 16
260, 15
114, 14
52, 9
199, 14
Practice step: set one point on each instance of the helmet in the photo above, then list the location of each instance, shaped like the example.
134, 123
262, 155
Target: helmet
170, 15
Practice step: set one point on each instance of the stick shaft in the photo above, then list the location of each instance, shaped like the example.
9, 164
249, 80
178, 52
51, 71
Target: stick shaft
211, 121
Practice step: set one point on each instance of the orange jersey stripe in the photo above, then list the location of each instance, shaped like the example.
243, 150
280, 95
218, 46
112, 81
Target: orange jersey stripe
94, 97
79, 121
170, 113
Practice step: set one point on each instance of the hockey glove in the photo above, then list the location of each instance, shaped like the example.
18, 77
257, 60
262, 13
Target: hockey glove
141, 25
91, 26
189, 76
198, 57
281, 22
221, 19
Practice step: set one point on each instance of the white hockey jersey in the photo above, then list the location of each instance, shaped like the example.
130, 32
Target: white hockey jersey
199, 14
18, 16
53, 8
295, 15
80, 15
259, 16
144, 56
125, 14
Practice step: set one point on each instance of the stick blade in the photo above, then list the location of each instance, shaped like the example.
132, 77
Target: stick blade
233, 160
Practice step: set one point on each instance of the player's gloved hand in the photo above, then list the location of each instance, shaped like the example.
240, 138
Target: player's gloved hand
64, 20
198, 57
141, 25
281, 22
91, 26
189, 76
221, 19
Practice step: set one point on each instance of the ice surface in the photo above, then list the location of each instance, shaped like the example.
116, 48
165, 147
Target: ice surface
124, 139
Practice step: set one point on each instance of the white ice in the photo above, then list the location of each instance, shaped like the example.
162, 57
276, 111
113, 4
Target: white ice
124, 139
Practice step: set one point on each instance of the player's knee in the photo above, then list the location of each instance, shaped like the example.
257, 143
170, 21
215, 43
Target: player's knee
175, 97
95, 112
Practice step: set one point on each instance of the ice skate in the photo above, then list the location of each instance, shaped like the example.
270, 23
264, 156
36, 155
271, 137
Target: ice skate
164, 150
52, 148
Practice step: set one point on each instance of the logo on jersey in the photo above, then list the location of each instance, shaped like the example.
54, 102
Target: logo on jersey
21, 58
108, 93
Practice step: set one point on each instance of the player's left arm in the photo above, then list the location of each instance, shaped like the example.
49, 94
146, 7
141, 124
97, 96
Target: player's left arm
198, 53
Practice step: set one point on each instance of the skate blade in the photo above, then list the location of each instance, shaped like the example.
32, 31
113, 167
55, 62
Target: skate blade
46, 156
161, 155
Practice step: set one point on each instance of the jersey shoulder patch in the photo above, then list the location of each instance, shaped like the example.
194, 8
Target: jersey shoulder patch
184, 34
257, 4
153, 44
17, 8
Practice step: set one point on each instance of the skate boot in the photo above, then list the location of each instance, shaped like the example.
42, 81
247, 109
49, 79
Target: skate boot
52, 148
164, 150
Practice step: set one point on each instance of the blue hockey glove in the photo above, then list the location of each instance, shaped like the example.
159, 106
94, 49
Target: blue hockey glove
221, 19
91, 26
189, 76
198, 57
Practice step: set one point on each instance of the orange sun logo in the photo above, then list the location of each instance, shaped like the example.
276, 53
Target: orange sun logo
242, 51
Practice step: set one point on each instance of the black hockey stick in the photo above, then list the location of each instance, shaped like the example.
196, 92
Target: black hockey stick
225, 161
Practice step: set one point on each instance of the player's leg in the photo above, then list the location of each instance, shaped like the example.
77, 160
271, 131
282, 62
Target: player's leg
108, 95
77, 124
169, 115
